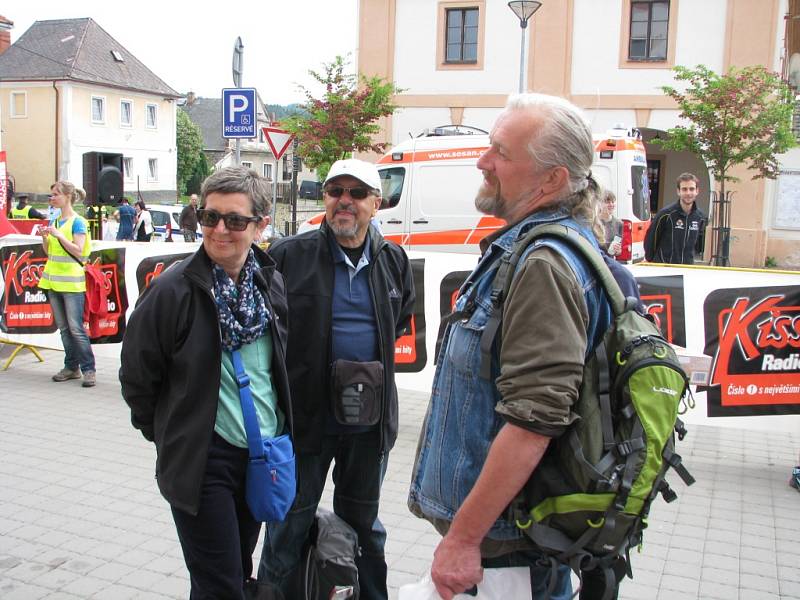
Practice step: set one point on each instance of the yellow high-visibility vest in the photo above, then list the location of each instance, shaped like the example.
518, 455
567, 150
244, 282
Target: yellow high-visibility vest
61, 272
21, 213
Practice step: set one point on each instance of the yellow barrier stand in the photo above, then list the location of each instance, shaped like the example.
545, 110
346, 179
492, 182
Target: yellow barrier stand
19, 347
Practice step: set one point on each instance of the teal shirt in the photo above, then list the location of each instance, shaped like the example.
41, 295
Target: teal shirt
257, 359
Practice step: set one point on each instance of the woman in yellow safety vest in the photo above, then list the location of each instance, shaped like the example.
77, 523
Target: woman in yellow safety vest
65, 240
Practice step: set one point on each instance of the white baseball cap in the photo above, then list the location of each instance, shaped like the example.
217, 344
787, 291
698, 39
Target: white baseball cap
365, 172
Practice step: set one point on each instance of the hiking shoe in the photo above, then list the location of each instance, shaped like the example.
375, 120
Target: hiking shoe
795, 479
66, 374
89, 379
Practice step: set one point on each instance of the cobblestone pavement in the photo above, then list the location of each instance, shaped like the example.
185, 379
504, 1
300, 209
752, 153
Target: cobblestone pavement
81, 517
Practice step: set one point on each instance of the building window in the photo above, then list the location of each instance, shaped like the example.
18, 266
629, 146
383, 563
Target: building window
125, 113
247, 164
152, 169
127, 167
151, 116
460, 34
648, 31
267, 171
461, 38
19, 105
648, 34
98, 110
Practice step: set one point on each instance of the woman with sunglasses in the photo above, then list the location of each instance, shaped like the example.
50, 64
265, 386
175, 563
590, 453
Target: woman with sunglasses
66, 241
178, 378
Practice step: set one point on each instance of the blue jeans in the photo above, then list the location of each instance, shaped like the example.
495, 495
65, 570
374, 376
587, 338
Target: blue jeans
540, 575
68, 314
357, 476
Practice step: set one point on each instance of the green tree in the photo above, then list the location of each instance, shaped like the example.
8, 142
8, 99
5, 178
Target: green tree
199, 174
344, 119
742, 118
189, 143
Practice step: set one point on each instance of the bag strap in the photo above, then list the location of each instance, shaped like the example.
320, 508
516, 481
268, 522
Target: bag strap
508, 266
254, 442
71, 255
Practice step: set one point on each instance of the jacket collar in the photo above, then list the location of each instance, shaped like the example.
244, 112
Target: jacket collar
504, 238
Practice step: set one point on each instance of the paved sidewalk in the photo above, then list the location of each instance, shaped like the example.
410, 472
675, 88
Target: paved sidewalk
81, 517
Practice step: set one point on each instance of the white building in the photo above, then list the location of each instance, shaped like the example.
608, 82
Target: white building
457, 61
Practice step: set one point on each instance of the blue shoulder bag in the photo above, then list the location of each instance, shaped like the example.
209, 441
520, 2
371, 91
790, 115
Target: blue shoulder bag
271, 480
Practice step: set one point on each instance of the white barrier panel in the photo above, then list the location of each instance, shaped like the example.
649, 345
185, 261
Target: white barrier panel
747, 320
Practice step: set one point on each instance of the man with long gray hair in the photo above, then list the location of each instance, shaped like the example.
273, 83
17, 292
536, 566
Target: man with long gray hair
485, 435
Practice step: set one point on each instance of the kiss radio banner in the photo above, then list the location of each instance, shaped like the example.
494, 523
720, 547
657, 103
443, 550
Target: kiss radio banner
753, 334
25, 308
747, 321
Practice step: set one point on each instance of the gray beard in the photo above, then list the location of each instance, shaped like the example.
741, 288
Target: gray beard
344, 232
490, 203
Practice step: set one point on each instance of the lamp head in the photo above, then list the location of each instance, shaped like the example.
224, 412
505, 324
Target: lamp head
524, 9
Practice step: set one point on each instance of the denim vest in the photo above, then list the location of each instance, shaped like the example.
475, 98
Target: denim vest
461, 422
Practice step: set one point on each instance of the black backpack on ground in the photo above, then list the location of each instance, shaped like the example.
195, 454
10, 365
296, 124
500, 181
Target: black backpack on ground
329, 569
588, 500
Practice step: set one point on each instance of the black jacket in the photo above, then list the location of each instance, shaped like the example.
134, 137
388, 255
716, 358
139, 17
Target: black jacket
306, 263
171, 362
673, 234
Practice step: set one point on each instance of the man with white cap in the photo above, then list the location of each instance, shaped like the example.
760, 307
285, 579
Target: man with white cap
350, 295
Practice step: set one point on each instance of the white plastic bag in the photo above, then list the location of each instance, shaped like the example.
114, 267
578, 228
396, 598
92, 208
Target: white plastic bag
510, 583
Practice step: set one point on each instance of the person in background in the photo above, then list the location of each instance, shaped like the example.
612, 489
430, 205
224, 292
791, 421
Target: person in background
612, 226
178, 378
127, 216
673, 234
143, 230
66, 242
24, 211
188, 220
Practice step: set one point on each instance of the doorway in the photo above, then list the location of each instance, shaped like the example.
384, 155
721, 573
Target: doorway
653, 181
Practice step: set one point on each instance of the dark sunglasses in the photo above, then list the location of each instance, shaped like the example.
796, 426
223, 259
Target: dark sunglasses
210, 218
356, 193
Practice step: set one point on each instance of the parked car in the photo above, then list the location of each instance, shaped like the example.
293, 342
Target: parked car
310, 190
166, 222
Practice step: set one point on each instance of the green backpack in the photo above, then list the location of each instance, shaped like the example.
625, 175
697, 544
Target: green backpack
587, 502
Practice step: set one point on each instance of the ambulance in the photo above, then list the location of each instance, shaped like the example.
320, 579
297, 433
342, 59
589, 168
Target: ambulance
429, 184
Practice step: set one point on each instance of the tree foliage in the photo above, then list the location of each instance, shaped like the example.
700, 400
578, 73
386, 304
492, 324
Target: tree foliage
189, 143
198, 176
344, 119
743, 117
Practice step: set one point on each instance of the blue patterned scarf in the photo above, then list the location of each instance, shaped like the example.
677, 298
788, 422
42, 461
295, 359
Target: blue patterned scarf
243, 313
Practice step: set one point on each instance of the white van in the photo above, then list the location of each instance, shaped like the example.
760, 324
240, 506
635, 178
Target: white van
429, 186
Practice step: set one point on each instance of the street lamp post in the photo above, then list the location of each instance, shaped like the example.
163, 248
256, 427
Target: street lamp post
524, 10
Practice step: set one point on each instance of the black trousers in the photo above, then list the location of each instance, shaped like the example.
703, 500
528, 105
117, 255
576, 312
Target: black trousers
219, 541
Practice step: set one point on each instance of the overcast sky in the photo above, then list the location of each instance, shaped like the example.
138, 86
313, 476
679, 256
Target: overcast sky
191, 48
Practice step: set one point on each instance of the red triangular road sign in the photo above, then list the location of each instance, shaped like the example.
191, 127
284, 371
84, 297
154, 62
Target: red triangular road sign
278, 140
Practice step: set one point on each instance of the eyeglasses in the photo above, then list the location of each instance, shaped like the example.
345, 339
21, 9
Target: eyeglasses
210, 218
356, 193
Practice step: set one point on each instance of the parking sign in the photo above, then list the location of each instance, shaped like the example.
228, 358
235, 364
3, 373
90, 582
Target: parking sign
239, 113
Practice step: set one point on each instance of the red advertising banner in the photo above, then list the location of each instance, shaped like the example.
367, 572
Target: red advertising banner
410, 354
663, 300
152, 266
24, 308
753, 335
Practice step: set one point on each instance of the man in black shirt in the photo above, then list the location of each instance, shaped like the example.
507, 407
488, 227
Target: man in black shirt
673, 233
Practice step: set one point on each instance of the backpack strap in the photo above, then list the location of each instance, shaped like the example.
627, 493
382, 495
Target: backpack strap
508, 266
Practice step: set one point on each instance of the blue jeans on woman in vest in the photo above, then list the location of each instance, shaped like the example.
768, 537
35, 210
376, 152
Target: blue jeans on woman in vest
68, 315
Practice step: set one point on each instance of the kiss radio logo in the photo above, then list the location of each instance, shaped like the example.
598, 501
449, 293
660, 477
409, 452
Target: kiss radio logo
757, 351
25, 307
